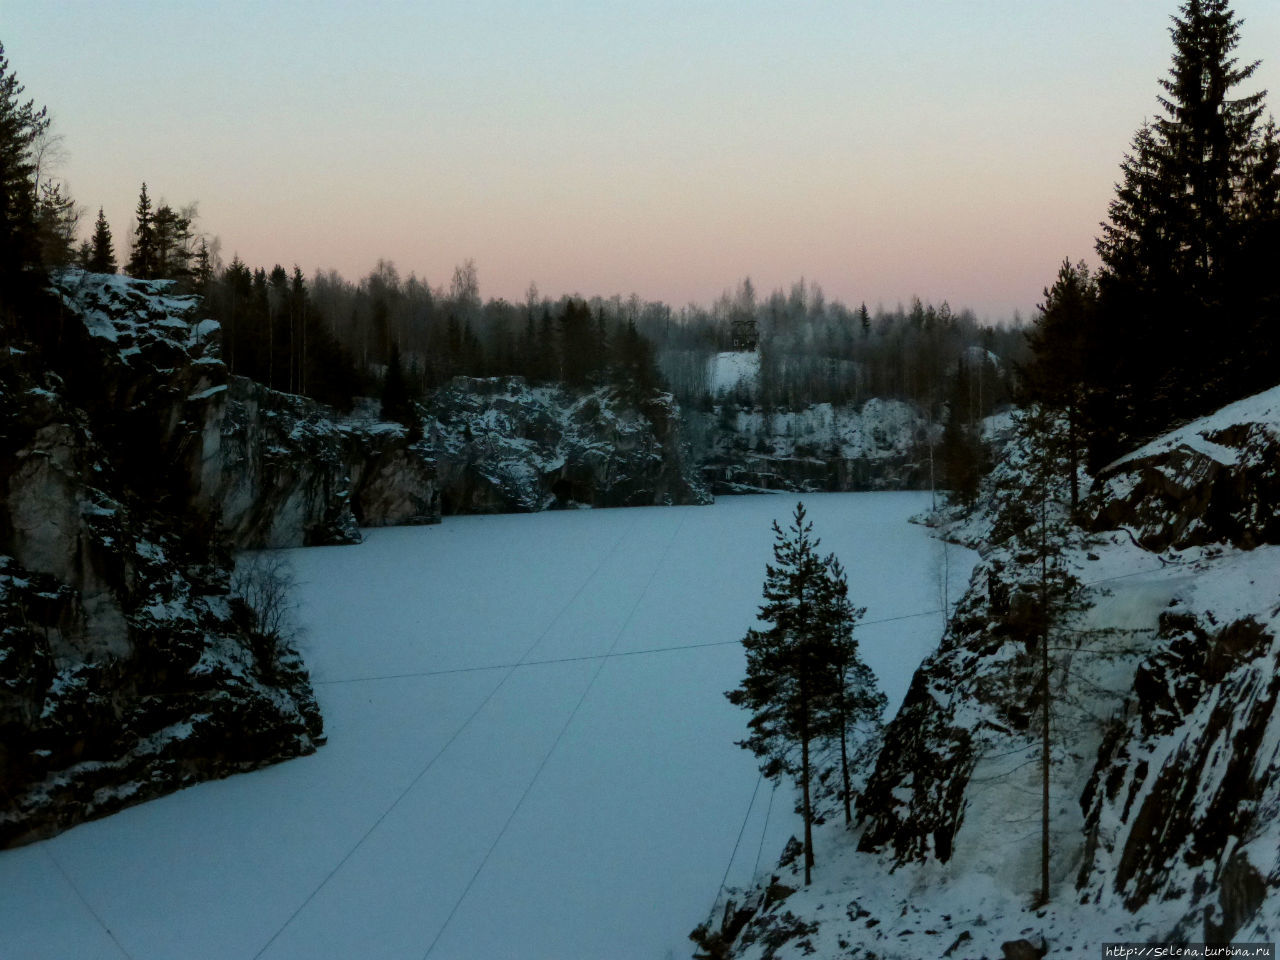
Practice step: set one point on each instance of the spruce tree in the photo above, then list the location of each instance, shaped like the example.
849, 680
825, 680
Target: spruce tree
102, 256
396, 402
1057, 374
1172, 339
202, 273
142, 261
961, 452
21, 124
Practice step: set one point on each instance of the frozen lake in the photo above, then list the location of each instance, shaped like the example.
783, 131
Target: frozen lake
519, 763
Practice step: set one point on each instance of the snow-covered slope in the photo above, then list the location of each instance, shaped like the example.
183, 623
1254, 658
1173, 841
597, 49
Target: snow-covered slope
1165, 759
736, 371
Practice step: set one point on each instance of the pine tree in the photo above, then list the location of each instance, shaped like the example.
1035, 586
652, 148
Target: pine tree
1042, 596
791, 675
102, 257
142, 261
171, 238
856, 701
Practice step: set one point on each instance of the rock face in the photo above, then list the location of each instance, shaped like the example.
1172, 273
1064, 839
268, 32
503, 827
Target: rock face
880, 445
1166, 787
1212, 481
1164, 757
284, 471
1193, 777
126, 669
502, 446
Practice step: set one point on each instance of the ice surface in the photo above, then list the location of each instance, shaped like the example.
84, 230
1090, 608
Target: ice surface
569, 807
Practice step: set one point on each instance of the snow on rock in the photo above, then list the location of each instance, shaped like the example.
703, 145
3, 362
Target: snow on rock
878, 445
1215, 479
1165, 765
127, 486
124, 672
501, 445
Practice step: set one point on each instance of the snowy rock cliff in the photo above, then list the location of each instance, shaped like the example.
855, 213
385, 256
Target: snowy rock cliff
286, 471
1165, 757
503, 446
278, 470
282, 471
1214, 480
880, 445
126, 669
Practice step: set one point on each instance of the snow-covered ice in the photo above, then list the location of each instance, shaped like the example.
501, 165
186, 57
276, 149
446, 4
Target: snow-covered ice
493, 785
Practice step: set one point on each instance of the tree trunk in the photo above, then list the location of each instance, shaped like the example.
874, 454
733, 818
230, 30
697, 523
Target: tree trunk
1073, 456
808, 809
1044, 706
844, 771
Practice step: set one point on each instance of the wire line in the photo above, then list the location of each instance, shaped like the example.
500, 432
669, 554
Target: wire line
439, 753
734, 855
578, 659
555, 743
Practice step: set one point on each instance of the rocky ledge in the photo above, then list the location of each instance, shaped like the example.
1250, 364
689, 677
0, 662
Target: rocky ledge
1164, 765
127, 668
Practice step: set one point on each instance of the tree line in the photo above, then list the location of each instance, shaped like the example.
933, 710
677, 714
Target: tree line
815, 350
332, 339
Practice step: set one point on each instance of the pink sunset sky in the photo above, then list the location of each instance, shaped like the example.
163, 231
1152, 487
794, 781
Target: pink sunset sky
951, 150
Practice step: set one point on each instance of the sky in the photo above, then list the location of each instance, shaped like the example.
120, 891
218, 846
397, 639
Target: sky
948, 149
